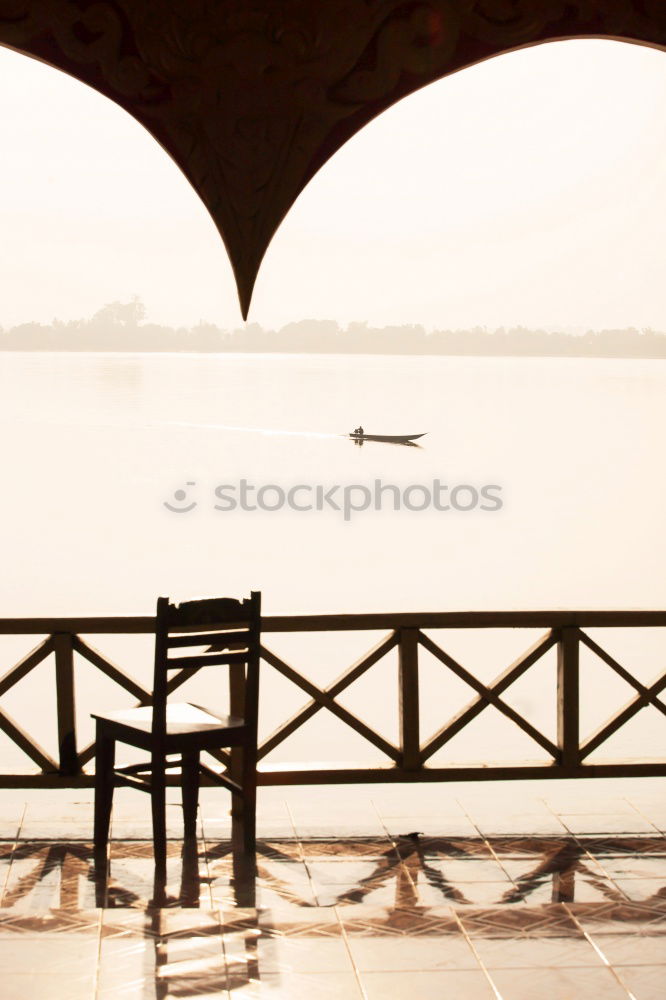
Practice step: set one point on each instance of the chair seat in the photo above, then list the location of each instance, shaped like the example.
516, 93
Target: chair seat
181, 719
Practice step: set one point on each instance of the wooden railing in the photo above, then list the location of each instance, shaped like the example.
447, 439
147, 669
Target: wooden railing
406, 761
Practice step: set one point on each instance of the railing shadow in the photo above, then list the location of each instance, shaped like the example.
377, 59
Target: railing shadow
184, 924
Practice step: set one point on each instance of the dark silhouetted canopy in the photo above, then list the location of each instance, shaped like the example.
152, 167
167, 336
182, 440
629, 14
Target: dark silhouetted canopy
251, 97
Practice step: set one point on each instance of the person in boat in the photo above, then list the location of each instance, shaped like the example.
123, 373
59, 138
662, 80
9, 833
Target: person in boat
359, 431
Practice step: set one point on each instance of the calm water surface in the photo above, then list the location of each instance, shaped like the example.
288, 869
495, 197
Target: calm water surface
95, 444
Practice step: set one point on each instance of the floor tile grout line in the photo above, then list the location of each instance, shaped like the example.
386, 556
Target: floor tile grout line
400, 863
357, 972
15, 841
565, 829
644, 815
377, 812
389, 836
580, 840
223, 944
599, 952
488, 842
302, 858
98, 961
552, 812
569, 831
469, 817
611, 880
21, 821
496, 857
482, 966
581, 845
606, 834
391, 841
294, 828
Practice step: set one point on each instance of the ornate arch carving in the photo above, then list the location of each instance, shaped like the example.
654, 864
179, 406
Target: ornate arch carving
251, 97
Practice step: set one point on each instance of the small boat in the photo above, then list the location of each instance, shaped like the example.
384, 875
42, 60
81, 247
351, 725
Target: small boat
391, 438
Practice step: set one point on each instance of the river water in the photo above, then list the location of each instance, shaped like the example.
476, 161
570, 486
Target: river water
96, 445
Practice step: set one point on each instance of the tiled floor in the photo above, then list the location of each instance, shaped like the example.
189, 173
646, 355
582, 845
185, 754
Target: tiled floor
400, 892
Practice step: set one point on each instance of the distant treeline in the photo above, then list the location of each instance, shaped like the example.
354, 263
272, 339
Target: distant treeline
122, 327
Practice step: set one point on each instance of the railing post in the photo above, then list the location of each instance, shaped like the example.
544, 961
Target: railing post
408, 661
568, 697
64, 663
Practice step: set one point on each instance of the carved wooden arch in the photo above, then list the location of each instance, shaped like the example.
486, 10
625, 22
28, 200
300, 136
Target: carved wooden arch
251, 97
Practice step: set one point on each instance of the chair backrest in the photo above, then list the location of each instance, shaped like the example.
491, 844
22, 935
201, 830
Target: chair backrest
210, 632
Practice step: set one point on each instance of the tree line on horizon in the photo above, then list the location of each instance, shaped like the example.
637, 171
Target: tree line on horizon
122, 327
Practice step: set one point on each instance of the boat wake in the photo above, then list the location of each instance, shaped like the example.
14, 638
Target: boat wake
269, 431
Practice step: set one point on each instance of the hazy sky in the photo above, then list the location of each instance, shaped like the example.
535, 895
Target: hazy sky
528, 189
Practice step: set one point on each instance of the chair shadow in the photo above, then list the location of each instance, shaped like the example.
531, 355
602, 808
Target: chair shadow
188, 895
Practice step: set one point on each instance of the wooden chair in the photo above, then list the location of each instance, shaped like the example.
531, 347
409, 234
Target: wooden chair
230, 632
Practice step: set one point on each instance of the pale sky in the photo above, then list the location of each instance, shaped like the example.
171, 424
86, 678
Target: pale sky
528, 189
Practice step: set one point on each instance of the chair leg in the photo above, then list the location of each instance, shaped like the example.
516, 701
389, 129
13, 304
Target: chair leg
245, 880
244, 810
104, 761
190, 792
250, 807
158, 804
